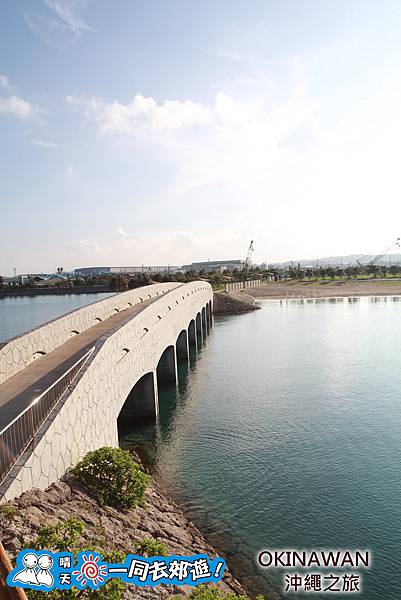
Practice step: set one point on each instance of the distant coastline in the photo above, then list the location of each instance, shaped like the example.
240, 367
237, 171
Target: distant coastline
54, 291
326, 289
242, 301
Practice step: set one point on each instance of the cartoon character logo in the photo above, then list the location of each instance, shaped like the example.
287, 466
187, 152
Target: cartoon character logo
90, 571
45, 563
32, 575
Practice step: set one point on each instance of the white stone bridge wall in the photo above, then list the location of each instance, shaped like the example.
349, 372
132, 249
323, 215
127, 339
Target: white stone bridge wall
87, 418
19, 352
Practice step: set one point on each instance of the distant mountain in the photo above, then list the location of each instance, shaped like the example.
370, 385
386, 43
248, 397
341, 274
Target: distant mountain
338, 261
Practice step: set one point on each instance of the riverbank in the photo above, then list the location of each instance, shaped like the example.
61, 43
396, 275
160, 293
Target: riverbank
108, 529
54, 291
326, 289
233, 303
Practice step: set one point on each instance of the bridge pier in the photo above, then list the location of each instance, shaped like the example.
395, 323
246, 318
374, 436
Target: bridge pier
199, 330
209, 313
167, 367
192, 337
182, 347
204, 322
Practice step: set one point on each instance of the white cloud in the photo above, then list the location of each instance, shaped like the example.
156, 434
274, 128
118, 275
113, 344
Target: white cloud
278, 165
143, 116
84, 244
44, 144
157, 248
64, 9
70, 172
80, 253
4, 83
18, 107
61, 27
231, 141
121, 232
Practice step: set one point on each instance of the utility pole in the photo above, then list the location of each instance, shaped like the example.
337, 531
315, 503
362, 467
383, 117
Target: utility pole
6, 592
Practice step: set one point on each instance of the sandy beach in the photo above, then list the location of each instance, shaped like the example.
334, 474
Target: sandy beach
326, 289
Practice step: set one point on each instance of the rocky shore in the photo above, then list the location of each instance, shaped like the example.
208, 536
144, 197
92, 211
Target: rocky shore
233, 303
108, 528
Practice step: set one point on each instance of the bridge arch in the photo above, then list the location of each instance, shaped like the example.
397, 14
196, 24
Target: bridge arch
166, 370
141, 402
109, 383
192, 337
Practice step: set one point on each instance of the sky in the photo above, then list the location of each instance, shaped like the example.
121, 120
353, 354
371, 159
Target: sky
170, 131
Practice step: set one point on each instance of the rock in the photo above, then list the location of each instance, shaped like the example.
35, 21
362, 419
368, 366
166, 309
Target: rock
233, 304
109, 529
34, 517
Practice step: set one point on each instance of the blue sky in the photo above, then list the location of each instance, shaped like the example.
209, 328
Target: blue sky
155, 131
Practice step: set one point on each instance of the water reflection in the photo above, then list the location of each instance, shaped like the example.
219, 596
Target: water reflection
284, 433
336, 300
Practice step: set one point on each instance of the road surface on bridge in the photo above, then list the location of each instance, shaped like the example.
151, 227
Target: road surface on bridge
22, 388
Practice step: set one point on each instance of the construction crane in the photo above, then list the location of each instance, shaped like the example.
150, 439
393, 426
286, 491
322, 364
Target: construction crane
378, 258
248, 260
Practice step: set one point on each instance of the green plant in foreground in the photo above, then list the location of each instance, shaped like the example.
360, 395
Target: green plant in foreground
7, 509
204, 592
61, 537
150, 547
113, 477
65, 537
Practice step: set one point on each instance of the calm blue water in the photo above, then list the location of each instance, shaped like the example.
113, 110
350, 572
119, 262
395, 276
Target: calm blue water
26, 312
286, 432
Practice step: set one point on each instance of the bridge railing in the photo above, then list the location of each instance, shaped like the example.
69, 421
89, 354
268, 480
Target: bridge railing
239, 285
18, 435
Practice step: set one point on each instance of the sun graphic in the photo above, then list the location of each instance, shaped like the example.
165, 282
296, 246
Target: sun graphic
91, 571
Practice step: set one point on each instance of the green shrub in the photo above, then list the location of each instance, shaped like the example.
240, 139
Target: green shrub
59, 538
150, 547
113, 477
64, 537
7, 509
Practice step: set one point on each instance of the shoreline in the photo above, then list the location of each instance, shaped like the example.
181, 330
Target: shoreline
244, 301
110, 529
56, 291
328, 289
233, 303
231, 547
240, 564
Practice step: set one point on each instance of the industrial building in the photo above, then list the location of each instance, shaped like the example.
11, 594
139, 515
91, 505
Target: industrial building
91, 271
215, 265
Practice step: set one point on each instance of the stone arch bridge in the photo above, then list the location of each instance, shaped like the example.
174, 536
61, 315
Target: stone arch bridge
65, 384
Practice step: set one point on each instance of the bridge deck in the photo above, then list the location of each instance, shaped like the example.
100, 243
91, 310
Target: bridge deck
18, 392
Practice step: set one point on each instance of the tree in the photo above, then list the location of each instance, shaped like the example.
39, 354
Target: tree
138, 280
113, 477
119, 283
372, 269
